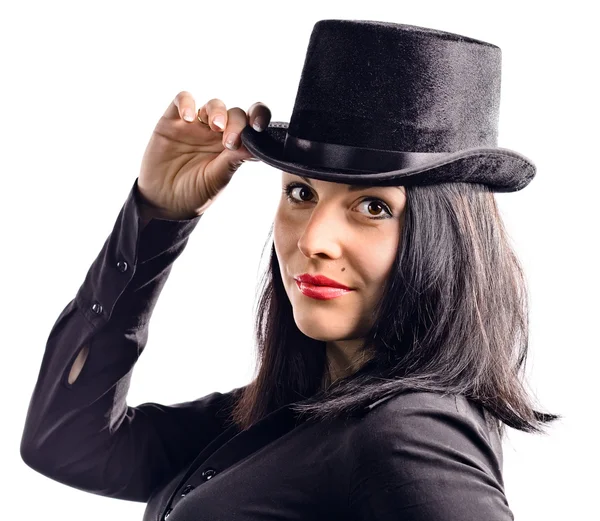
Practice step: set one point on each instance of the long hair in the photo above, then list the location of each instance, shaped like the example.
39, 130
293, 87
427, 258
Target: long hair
453, 320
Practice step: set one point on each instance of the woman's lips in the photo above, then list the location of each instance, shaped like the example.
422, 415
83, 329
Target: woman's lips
320, 292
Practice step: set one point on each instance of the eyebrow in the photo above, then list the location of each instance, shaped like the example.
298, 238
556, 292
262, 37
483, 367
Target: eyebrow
352, 188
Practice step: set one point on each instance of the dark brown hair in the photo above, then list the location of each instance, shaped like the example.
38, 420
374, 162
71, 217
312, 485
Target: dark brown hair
453, 319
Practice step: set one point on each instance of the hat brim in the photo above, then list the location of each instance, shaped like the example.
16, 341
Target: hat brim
503, 170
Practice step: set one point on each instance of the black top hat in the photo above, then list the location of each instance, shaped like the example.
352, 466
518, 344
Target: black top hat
390, 104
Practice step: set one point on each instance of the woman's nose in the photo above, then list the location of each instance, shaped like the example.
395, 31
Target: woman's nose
322, 234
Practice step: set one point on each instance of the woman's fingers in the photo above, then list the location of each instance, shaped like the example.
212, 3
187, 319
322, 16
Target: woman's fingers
236, 121
214, 112
183, 107
259, 116
216, 116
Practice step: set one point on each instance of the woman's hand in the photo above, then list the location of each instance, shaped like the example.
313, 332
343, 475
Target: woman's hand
186, 163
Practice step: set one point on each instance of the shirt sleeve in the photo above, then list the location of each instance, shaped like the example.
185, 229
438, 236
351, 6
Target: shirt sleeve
427, 457
84, 434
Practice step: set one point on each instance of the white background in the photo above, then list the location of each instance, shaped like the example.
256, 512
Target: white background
83, 85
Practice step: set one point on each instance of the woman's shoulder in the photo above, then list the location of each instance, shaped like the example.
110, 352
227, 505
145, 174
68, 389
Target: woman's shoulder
427, 450
431, 420
415, 402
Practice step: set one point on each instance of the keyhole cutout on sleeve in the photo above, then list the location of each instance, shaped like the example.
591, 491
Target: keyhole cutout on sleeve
78, 364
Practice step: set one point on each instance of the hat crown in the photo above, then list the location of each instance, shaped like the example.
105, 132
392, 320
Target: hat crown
389, 86
384, 104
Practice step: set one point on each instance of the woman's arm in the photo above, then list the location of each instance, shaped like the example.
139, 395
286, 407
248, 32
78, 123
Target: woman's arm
79, 429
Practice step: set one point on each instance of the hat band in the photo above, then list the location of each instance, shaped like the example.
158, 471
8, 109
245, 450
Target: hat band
330, 155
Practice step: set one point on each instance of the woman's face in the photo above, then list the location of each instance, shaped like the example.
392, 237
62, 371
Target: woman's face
350, 236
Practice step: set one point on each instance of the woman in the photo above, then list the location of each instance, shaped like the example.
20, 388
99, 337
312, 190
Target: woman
382, 398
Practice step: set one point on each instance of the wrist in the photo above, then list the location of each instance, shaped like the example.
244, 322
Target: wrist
150, 212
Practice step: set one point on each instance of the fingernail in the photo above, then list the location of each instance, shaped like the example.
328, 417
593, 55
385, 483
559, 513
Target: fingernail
258, 124
229, 143
219, 120
188, 115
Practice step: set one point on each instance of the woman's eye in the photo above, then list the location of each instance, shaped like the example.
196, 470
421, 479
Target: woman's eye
374, 203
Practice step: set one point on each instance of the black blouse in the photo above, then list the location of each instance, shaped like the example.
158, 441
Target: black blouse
412, 456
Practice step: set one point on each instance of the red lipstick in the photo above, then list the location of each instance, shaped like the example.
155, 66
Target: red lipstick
319, 280
320, 287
